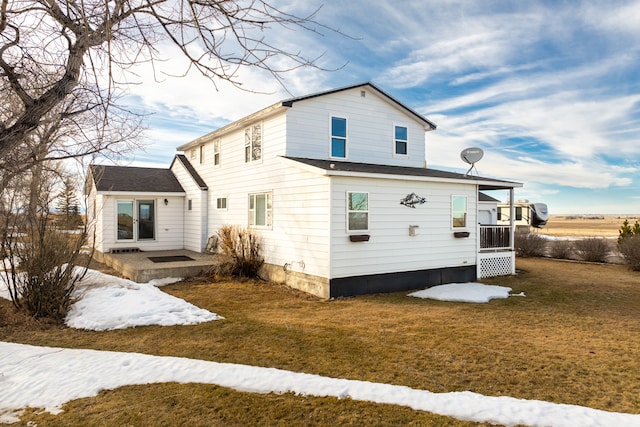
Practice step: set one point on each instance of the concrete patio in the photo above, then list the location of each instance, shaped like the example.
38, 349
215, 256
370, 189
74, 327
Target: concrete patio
139, 267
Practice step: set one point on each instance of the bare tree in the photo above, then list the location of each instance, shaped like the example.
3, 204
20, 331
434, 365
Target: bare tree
61, 59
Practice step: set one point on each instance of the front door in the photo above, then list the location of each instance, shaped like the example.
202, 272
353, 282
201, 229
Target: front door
146, 220
138, 224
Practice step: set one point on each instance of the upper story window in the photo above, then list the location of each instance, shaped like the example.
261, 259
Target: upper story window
260, 210
459, 211
216, 152
253, 143
338, 137
202, 154
400, 140
193, 154
357, 211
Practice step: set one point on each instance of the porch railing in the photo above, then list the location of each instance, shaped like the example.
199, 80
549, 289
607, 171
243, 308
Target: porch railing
495, 237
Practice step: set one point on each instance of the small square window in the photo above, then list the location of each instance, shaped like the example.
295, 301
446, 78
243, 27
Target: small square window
221, 203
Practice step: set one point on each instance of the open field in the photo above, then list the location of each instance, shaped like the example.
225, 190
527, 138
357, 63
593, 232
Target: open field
586, 225
572, 339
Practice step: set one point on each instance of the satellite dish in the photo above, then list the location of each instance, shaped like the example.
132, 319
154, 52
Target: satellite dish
472, 156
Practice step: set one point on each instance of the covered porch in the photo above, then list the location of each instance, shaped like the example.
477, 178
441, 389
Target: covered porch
496, 243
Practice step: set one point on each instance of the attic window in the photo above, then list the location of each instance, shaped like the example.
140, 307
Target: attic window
363, 93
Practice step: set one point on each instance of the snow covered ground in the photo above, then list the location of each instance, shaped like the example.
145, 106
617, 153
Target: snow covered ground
47, 377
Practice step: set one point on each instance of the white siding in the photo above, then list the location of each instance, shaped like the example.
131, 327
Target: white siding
370, 128
391, 248
195, 220
169, 223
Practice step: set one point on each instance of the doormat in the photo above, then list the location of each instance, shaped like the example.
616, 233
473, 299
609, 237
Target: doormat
170, 258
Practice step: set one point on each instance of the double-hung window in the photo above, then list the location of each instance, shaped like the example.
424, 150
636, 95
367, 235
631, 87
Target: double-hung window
357, 211
338, 137
253, 143
400, 140
260, 210
216, 152
459, 211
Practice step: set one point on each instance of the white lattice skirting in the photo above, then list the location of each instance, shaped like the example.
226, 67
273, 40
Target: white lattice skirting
496, 264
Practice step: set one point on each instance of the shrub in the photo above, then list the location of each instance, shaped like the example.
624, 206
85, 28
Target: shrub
243, 250
626, 230
592, 249
630, 250
561, 249
45, 279
530, 244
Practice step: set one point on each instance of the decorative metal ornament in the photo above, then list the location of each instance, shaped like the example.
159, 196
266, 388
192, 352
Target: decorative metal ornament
411, 200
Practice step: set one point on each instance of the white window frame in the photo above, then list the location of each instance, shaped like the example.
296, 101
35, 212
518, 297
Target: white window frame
250, 153
345, 138
216, 152
357, 211
268, 213
202, 154
193, 154
454, 212
396, 140
220, 199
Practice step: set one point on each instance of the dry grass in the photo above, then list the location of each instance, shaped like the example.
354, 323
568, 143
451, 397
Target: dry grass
573, 339
583, 226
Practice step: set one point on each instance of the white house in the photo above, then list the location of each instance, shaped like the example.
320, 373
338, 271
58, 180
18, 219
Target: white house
335, 183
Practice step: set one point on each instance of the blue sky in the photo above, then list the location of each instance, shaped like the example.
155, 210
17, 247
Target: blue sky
550, 90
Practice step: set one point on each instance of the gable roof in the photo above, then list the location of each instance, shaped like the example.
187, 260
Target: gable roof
340, 167
288, 103
487, 198
191, 170
430, 124
134, 179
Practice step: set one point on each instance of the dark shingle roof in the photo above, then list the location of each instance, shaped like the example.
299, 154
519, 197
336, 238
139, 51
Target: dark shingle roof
486, 198
189, 168
342, 166
126, 178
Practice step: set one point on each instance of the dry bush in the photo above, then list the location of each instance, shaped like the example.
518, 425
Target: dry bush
243, 251
592, 249
530, 244
45, 279
629, 247
561, 249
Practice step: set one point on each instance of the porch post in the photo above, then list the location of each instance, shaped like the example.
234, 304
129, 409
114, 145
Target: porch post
512, 234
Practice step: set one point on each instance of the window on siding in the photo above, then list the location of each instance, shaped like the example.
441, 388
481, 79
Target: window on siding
260, 210
459, 211
499, 214
338, 137
193, 154
201, 154
400, 140
253, 143
221, 203
189, 204
216, 152
357, 211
